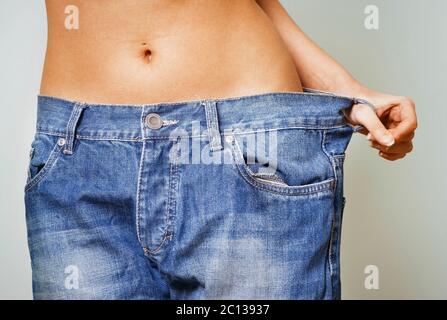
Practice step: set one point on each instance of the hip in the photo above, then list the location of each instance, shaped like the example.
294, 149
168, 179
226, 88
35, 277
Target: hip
208, 188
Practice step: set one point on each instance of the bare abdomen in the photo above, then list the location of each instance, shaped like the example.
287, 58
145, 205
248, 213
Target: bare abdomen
150, 51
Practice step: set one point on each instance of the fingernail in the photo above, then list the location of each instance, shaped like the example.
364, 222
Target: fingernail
368, 136
389, 140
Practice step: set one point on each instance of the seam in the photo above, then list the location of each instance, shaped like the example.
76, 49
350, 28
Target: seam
209, 125
168, 233
339, 159
334, 213
52, 159
331, 160
168, 203
174, 186
158, 248
167, 123
212, 125
236, 132
323, 187
50, 133
273, 178
166, 228
99, 138
30, 157
216, 142
173, 183
69, 131
139, 139
174, 199
138, 196
71, 128
331, 239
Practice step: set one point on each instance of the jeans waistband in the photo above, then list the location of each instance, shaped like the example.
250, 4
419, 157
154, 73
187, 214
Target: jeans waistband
206, 117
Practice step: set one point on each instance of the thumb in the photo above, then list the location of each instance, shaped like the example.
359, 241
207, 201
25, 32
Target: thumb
377, 131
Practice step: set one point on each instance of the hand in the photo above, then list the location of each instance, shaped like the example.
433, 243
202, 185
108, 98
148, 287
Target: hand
391, 127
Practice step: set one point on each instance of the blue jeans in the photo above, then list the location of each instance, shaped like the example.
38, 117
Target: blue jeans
234, 198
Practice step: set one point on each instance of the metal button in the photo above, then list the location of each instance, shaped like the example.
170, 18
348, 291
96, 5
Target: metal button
154, 121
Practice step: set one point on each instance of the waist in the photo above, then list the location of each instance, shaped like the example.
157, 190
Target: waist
210, 117
140, 54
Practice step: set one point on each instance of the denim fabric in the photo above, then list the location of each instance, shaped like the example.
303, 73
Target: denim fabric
235, 198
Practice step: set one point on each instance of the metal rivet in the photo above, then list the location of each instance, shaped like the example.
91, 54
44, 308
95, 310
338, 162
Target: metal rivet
229, 139
60, 142
154, 121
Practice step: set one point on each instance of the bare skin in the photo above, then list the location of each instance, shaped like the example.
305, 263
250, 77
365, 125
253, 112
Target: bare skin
146, 51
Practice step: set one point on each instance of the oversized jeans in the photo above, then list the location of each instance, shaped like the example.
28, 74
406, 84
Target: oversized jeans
233, 198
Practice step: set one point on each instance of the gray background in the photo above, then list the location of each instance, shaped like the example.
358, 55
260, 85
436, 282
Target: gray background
395, 214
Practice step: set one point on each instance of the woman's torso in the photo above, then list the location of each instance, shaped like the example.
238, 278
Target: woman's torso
147, 51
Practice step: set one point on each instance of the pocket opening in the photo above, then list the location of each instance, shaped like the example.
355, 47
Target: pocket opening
272, 182
44, 152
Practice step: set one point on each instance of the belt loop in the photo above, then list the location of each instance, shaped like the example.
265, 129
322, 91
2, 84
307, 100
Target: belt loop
212, 123
71, 127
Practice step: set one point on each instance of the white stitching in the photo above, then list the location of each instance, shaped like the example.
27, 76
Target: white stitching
334, 214
139, 139
138, 196
54, 155
247, 174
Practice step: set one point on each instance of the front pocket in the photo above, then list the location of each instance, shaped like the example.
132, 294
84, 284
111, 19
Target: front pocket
294, 165
45, 150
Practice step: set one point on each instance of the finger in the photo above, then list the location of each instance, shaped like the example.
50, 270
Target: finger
377, 131
384, 111
397, 148
404, 131
406, 121
402, 138
392, 157
363, 131
408, 138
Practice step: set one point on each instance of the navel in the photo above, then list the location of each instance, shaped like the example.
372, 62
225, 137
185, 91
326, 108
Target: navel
146, 52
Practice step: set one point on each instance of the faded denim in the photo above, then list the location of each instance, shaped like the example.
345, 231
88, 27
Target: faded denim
120, 205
